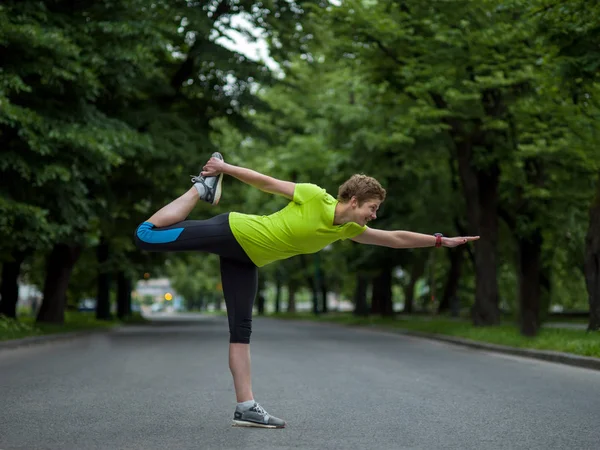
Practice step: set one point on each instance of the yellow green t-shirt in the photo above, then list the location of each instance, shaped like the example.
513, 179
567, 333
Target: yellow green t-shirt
305, 225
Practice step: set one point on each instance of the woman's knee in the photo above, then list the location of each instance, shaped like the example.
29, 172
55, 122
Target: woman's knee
148, 237
136, 240
240, 331
141, 235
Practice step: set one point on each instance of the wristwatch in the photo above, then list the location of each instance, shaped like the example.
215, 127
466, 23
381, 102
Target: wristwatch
438, 239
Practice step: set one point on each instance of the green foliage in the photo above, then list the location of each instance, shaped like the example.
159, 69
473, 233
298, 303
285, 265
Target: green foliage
107, 108
57, 140
195, 278
572, 27
74, 322
383, 88
14, 329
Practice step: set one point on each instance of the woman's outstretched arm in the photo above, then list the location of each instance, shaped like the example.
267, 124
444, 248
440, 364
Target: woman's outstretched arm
408, 239
265, 183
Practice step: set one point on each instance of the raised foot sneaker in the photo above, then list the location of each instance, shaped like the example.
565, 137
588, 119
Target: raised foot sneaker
209, 188
255, 416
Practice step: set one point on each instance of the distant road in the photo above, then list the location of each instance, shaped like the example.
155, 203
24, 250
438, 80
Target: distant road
167, 386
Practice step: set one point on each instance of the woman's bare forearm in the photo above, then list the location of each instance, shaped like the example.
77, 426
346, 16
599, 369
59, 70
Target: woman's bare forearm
248, 176
409, 239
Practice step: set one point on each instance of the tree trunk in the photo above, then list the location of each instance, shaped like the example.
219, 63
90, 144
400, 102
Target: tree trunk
451, 287
375, 299
409, 297
592, 262
260, 304
123, 295
9, 287
260, 299
103, 282
292, 298
480, 187
311, 284
361, 307
324, 295
278, 286
317, 283
59, 266
382, 293
530, 255
416, 271
483, 218
545, 291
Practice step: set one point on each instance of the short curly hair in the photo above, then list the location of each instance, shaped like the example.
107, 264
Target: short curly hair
362, 187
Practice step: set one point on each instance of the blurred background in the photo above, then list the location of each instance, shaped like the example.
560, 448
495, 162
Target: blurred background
478, 117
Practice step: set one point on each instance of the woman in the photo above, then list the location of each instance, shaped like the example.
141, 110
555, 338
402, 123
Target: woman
312, 220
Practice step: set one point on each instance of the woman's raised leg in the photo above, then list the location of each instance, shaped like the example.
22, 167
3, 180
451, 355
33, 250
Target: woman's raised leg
205, 188
176, 211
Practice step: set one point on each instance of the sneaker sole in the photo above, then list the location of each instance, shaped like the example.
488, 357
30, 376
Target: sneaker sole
219, 188
243, 423
218, 191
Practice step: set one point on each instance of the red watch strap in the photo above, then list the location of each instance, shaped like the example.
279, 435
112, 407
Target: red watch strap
438, 239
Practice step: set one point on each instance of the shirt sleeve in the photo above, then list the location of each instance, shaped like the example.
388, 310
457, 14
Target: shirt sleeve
352, 230
304, 192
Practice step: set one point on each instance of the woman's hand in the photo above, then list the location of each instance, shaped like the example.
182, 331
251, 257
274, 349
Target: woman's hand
213, 167
456, 241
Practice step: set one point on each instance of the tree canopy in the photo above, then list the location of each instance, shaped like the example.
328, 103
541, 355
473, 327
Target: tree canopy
478, 117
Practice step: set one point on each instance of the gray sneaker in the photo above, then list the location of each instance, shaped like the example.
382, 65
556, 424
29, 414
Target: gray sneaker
255, 416
211, 191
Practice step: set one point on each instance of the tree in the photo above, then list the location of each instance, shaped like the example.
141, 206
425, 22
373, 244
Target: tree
571, 26
54, 135
195, 279
120, 92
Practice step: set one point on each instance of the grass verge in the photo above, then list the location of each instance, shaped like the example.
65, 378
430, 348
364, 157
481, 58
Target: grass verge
578, 342
74, 321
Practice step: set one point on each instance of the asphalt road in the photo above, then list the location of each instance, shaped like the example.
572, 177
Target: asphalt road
167, 386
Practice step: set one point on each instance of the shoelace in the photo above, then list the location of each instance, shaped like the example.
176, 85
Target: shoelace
259, 409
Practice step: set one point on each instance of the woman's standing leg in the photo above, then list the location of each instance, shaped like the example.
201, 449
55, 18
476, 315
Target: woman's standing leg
239, 364
240, 286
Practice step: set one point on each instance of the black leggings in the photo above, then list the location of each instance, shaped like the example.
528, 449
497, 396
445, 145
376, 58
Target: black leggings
239, 275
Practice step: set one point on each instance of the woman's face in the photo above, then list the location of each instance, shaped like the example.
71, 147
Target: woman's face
366, 212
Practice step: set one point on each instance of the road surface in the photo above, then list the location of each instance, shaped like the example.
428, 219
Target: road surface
167, 386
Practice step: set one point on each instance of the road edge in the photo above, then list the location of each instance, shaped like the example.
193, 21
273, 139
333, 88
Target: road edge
571, 359
54, 337
587, 362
